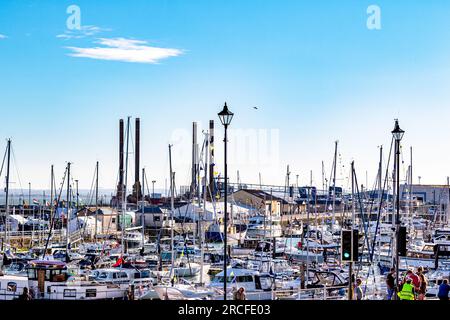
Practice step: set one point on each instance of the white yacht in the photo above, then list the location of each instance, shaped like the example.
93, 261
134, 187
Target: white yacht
260, 227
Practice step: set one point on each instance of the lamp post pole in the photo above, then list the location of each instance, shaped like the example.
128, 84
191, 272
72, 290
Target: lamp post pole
225, 218
398, 135
225, 117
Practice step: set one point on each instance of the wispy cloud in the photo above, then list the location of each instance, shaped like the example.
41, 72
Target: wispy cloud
127, 50
2, 36
84, 31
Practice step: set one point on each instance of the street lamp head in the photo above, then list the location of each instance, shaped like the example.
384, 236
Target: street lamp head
225, 116
397, 133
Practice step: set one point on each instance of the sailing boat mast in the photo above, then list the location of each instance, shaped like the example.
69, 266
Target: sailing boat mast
124, 194
96, 200
51, 194
142, 206
448, 203
8, 149
171, 210
323, 178
410, 207
334, 184
202, 234
380, 173
68, 212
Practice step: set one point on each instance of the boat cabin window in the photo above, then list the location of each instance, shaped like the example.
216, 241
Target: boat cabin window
142, 274
244, 279
103, 275
15, 267
12, 287
50, 275
32, 274
120, 275
156, 218
229, 279
257, 282
70, 293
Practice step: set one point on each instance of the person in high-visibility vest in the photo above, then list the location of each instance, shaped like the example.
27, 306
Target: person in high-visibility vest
407, 292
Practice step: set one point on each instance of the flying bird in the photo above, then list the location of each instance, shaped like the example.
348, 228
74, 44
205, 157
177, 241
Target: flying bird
255, 107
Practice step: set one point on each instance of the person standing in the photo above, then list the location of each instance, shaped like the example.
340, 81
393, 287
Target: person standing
415, 280
240, 294
25, 295
407, 292
390, 283
444, 289
358, 290
423, 284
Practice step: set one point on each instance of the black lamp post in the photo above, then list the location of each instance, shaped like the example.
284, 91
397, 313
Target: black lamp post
397, 134
225, 117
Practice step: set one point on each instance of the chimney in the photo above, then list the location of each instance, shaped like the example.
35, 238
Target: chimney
137, 186
121, 171
211, 156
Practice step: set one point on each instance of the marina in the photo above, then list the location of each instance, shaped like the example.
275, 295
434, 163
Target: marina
281, 242
206, 159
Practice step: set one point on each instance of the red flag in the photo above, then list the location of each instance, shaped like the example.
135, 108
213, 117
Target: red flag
118, 263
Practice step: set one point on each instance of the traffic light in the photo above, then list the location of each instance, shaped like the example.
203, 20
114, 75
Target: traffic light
349, 245
401, 241
346, 245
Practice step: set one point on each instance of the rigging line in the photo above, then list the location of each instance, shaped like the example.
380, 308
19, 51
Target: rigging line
334, 184
146, 182
3, 162
386, 178
90, 195
91, 190
16, 166
362, 215
55, 211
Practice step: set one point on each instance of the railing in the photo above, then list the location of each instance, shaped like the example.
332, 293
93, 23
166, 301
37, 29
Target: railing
322, 293
30, 233
118, 294
8, 295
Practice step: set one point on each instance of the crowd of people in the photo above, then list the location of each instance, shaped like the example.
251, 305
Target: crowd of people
412, 286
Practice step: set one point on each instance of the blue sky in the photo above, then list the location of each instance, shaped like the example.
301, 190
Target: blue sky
314, 70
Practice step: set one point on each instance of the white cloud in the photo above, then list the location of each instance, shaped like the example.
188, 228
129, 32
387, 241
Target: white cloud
2, 36
128, 50
85, 31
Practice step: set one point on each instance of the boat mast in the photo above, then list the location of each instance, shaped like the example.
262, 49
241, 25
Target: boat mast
68, 212
96, 199
142, 204
410, 207
51, 196
8, 149
202, 234
334, 185
448, 203
124, 194
171, 210
380, 198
